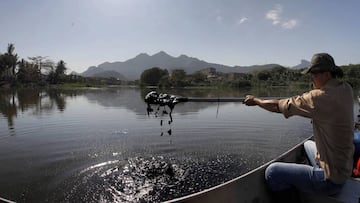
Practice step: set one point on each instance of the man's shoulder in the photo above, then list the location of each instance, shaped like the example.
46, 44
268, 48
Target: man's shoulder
335, 83
339, 87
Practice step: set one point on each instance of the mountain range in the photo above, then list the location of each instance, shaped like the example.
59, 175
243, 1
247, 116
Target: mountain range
132, 68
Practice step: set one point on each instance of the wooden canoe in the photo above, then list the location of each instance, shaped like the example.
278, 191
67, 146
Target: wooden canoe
251, 187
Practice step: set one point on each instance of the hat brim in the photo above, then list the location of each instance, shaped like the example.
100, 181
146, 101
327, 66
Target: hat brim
308, 69
335, 69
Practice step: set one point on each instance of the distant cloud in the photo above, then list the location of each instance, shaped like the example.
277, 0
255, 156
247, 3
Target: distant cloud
220, 19
275, 16
242, 20
289, 24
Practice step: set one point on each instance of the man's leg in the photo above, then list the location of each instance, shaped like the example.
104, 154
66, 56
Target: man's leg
310, 149
282, 176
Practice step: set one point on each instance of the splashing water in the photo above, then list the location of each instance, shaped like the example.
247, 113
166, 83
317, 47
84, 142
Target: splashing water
137, 180
152, 179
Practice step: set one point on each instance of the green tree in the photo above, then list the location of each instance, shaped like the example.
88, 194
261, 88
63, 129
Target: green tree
61, 68
164, 81
152, 76
198, 77
352, 71
58, 75
177, 78
28, 72
263, 75
39, 62
352, 74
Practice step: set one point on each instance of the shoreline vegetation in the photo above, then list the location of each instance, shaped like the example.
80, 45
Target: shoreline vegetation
39, 72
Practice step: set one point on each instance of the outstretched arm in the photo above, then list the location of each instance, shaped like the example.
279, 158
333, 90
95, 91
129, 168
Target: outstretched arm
267, 104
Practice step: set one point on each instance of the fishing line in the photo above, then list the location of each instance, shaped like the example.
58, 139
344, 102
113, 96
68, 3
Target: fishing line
218, 106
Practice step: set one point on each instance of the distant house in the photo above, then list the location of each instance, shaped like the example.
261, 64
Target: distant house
209, 72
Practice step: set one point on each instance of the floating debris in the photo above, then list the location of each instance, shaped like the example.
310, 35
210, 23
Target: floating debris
162, 101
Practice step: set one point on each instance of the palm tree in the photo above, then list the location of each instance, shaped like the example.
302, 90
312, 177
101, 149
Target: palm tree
11, 59
2, 64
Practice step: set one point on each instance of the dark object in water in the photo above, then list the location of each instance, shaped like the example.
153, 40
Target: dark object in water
161, 99
170, 100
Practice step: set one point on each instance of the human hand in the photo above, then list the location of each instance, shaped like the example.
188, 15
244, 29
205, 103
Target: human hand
250, 100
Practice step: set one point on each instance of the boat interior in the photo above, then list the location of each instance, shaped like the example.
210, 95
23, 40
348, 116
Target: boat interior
251, 187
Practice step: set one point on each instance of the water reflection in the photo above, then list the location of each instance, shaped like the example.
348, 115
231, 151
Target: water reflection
8, 108
13, 102
45, 101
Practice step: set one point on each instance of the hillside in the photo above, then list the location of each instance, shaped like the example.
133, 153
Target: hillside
132, 68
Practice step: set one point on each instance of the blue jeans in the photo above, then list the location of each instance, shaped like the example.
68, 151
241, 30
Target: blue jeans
311, 179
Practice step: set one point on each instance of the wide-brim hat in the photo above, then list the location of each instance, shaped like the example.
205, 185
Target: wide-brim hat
323, 62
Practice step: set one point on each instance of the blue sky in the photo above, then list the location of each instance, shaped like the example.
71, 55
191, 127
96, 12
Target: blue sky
84, 33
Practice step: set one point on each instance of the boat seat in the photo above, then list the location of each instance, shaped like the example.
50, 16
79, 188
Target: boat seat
350, 192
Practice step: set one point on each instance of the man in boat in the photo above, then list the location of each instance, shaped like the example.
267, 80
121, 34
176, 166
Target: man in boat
330, 106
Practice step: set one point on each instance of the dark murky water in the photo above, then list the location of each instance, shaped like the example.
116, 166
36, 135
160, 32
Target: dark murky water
99, 145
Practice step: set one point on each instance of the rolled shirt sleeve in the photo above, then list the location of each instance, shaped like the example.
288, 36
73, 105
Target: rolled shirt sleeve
297, 105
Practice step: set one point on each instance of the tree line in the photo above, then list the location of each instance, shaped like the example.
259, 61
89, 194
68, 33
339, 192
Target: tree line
13, 70
41, 71
277, 76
